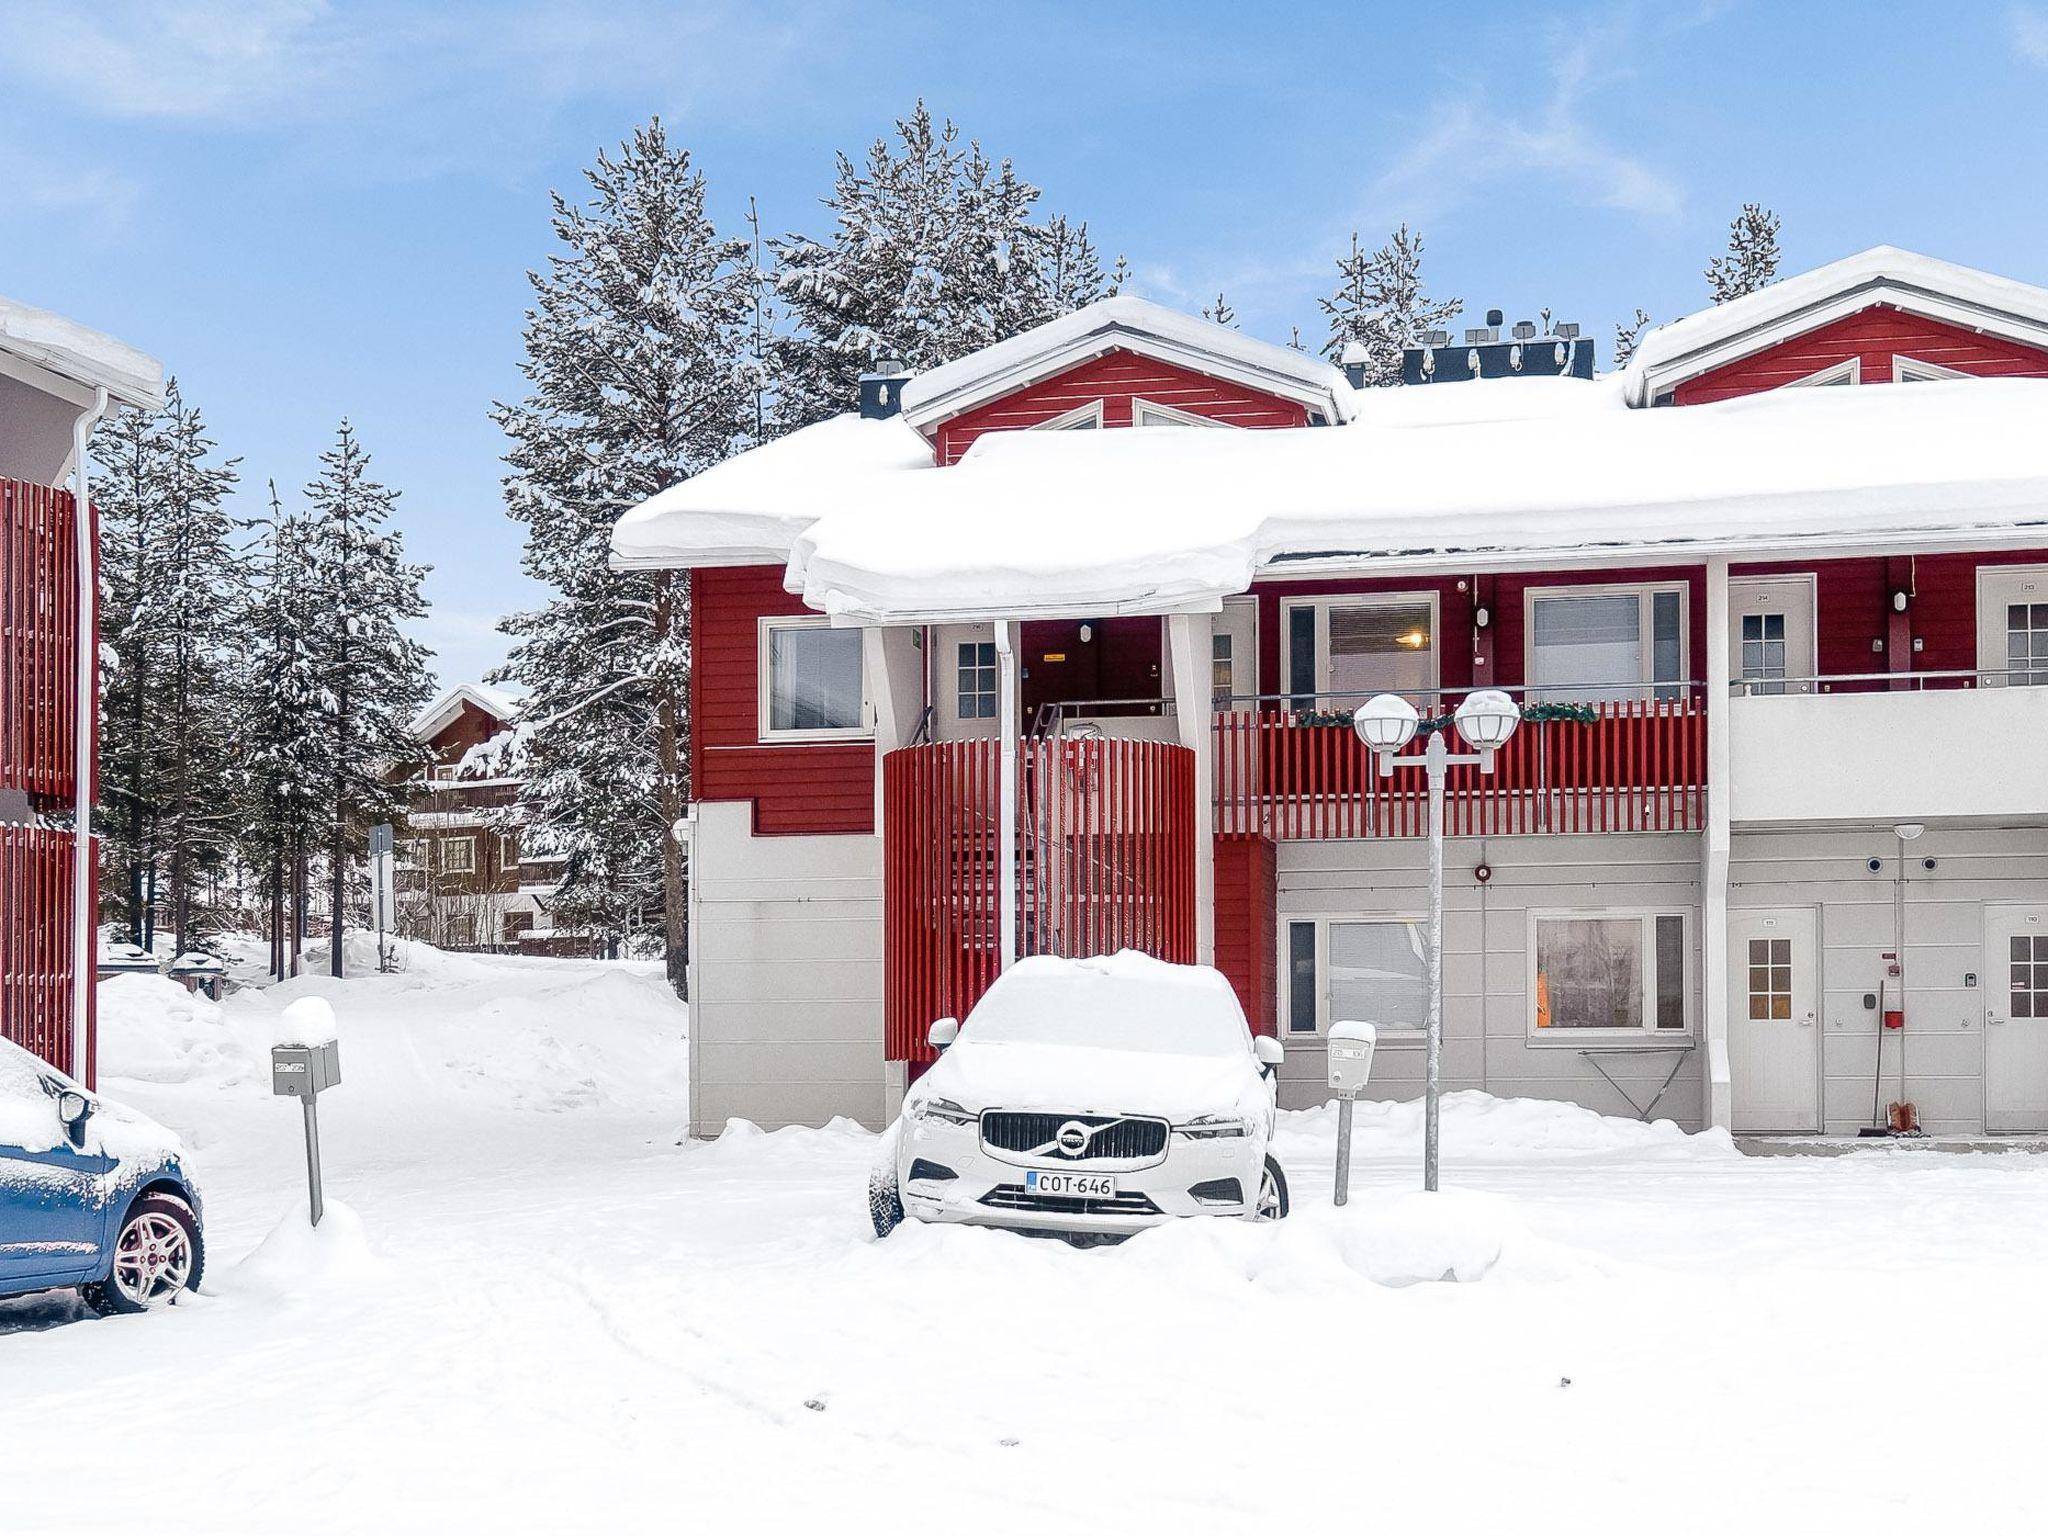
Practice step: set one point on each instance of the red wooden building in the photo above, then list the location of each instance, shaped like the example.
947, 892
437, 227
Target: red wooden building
968, 685
57, 379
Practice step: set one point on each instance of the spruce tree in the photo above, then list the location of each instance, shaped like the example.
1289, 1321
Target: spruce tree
934, 254
1379, 303
1627, 335
372, 677
640, 373
1751, 261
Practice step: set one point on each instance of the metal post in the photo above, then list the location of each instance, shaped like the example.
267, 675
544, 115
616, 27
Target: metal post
313, 1156
1436, 757
1343, 1149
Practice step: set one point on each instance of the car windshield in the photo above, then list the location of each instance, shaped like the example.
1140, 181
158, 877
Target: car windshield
1122, 1003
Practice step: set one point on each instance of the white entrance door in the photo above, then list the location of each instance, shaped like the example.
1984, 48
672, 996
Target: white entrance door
1770, 633
1774, 1019
1234, 655
2012, 625
2016, 1019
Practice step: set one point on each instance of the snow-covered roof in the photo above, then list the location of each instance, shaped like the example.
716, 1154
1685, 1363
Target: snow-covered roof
1130, 324
440, 714
1884, 274
85, 357
749, 510
1508, 472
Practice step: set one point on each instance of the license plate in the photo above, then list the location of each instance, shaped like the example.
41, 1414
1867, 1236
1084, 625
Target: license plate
1090, 1186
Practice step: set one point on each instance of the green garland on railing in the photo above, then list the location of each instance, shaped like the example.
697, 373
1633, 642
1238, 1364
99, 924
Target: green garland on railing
1533, 714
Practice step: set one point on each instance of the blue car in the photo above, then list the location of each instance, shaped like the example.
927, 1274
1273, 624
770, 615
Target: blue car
92, 1196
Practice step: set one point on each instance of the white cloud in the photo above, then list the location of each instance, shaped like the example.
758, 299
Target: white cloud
2030, 33
1471, 146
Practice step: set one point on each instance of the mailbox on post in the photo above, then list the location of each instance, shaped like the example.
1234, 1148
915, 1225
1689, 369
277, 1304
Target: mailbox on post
1351, 1047
305, 1063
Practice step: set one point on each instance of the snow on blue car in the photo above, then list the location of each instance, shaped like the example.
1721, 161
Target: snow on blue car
92, 1196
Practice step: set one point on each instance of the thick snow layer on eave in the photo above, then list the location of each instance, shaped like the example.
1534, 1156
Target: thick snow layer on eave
1158, 520
80, 354
749, 510
1710, 328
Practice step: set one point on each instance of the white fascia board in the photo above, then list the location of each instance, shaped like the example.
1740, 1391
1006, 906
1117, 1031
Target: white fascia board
65, 350
927, 409
849, 614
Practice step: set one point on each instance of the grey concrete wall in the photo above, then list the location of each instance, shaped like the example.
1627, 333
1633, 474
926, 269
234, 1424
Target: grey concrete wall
1487, 1039
1975, 867
786, 1023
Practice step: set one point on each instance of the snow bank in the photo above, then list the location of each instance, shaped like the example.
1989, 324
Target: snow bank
153, 1031
1480, 1127
298, 1257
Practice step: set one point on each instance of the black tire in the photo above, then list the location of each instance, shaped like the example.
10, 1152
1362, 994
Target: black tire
1278, 1176
885, 1202
109, 1296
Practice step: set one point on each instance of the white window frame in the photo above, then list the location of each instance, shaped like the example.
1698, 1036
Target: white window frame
448, 845
444, 773
1850, 372
508, 858
1395, 1036
1323, 606
1993, 665
1646, 1033
1646, 631
763, 651
995, 685
1091, 413
1168, 416
1915, 370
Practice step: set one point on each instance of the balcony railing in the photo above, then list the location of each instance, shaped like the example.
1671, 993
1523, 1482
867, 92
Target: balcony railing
1637, 765
37, 947
38, 640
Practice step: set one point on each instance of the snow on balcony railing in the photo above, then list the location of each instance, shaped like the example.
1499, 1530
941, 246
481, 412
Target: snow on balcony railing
1638, 765
38, 640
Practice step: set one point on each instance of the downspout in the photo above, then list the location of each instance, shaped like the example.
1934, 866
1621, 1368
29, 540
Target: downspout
1006, 811
1715, 847
84, 921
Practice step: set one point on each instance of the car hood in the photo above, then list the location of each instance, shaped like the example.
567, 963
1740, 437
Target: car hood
1076, 1079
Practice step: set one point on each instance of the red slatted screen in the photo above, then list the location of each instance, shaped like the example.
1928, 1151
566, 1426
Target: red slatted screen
38, 640
1639, 767
1105, 862
35, 941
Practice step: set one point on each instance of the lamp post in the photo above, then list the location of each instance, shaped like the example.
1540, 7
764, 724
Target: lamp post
1387, 723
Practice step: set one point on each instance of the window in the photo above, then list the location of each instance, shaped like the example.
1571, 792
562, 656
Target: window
458, 855
1587, 644
508, 849
515, 924
1222, 679
2026, 644
2029, 978
1146, 414
1083, 418
1770, 978
977, 679
1375, 970
1850, 372
1911, 370
811, 681
1355, 647
1608, 973
1763, 652
461, 930
444, 773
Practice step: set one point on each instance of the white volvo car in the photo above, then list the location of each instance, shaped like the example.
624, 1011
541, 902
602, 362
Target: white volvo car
1088, 1097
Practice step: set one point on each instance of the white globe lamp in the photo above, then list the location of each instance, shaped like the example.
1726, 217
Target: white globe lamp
1486, 719
1385, 722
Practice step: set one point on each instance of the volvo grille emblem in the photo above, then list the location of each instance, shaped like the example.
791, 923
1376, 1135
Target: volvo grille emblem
1073, 1138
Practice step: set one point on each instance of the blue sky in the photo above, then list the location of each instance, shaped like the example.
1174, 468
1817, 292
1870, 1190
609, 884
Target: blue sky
309, 210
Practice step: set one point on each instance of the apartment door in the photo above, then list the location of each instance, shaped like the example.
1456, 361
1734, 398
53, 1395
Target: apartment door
1234, 654
1774, 1019
2016, 1019
2012, 625
1770, 633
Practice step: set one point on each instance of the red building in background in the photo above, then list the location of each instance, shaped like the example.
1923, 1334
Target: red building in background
57, 381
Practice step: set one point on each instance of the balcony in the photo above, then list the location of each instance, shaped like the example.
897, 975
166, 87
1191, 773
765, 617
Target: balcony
1631, 765
1821, 751
38, 641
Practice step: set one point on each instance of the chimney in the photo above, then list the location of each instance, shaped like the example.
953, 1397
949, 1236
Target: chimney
881, 389
1530, 351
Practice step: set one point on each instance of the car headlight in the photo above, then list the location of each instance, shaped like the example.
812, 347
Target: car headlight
1210, 1127
942, 1112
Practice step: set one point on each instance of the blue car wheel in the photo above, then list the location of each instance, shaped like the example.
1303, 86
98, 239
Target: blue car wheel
158, 1256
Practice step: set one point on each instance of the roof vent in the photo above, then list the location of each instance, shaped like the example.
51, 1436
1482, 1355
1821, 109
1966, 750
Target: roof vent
881, 389
1534, 349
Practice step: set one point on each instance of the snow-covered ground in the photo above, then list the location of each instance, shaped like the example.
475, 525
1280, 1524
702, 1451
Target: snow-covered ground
534, 1308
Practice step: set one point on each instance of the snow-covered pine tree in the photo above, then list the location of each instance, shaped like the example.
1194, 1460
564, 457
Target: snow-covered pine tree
1627, 334
173, 596
1752, 257
372, 676
933, 254
1380, 304
639, 372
